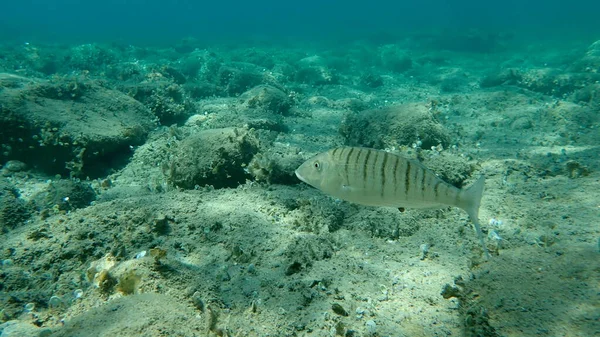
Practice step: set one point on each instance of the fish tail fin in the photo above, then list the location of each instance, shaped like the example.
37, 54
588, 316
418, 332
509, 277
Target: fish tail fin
471, 201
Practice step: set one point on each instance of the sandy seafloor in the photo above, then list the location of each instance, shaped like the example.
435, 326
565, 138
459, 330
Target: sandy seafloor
270, 256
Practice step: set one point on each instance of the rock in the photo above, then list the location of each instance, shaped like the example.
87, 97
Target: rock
590, 62
589, 94
275, 168
16, 328
216, 157
314, 70
451, 168
268, 98
13, 210
68, 125
257, 112
166, 99
14, 166
237, 77
394, 126
66, 195
556, 82
509, 76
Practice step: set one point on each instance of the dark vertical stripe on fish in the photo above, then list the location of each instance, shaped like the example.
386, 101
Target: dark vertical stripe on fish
343, 157
344, 154
364, 166
357, 159
334, 151
395, 175
357, 165
385, 159
374, 167
348, 157
435, 190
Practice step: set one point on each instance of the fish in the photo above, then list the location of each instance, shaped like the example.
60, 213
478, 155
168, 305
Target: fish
379, 178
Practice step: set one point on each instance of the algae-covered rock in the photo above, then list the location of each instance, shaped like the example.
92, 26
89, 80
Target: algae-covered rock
590, 62
501, 77
13, 210
450, 167
314, 70
393, 126
237, 77
16, 328
91, 56
216, 157
65, 195
165, 98
68, 125
256, 112
556, 82
268, 98
589, 94
275, 167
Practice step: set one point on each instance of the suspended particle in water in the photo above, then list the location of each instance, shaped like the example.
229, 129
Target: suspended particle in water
77, 293
55, 302
29, 307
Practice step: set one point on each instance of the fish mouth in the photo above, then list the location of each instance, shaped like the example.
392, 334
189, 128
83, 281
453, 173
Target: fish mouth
299, 176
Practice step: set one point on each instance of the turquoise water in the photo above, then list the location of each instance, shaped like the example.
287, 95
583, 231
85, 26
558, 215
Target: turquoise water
156, 22
148, 151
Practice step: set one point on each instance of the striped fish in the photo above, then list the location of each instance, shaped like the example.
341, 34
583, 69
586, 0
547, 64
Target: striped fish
378, 178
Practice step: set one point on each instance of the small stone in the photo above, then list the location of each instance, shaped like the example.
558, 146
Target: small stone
29, 307
450, 291
198, 302
371, 327
338, 309
15, 166
55, 302
77, 293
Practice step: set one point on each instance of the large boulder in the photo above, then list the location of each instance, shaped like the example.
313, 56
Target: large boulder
68, 125
590, 62
392, 126
215, 157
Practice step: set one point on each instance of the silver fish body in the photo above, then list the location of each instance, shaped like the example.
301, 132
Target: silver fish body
378, 178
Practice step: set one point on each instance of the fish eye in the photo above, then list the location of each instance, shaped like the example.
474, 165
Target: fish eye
317, 165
